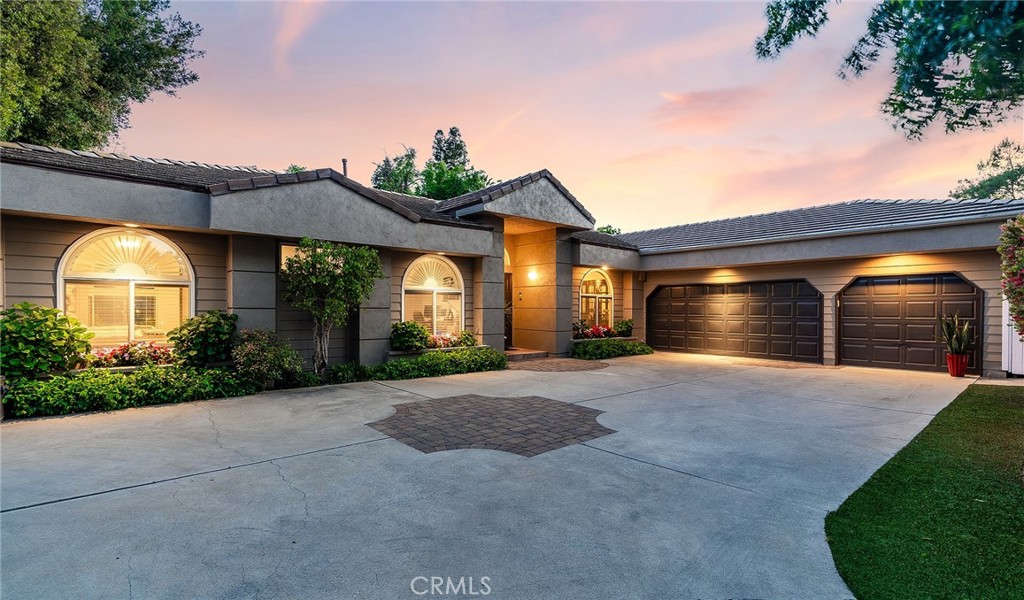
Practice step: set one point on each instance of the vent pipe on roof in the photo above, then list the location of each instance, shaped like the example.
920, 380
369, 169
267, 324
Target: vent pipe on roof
344, 167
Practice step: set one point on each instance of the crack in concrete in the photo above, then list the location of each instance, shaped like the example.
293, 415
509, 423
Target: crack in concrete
305, 498
216, 435
131, 590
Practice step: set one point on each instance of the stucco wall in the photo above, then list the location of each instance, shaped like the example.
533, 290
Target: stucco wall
58, 193
33, 247
980, 267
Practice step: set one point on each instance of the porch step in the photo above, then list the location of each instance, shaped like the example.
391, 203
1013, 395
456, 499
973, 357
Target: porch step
524, 354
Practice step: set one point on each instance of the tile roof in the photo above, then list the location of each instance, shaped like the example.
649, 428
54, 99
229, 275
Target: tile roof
603, 239
179, 173
858, 216
503, 188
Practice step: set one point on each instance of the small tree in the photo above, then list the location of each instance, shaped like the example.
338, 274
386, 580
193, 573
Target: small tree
294, 168
1001, 175
1011, 249
330, 281
609, 229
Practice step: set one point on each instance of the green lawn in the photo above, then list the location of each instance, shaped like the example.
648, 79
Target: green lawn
945, 517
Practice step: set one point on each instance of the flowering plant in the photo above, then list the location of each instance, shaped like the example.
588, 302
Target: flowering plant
445, 340
133, 355
1011, 249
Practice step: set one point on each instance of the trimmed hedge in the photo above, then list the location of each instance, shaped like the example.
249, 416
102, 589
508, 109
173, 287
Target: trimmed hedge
608, 348
99, 389
430, 364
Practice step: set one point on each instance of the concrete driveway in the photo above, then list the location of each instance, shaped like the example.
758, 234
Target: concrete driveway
715, 485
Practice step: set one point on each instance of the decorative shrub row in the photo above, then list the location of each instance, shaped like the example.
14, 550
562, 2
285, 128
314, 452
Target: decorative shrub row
133, 355
598, 349
431, 364
582, 331
98, 389
409, 336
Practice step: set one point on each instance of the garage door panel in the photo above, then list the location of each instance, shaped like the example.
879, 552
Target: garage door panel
810, 310
952, 285
922, 309
808, 329
853, 308
892, 321
921, 286
959, 307
889, 310
779, 320
889, 355
923, 357
920, 333
756, 308
886, 332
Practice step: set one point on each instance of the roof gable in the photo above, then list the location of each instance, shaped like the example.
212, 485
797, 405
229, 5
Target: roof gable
493, 193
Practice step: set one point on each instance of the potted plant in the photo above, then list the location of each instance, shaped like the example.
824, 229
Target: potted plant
958, 338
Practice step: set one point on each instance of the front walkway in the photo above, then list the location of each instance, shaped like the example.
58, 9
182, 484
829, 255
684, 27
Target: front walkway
714, 484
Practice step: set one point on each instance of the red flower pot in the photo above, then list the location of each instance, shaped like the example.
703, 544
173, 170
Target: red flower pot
957, 364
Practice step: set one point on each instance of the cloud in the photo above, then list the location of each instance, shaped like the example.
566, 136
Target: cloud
296, 18
711, 111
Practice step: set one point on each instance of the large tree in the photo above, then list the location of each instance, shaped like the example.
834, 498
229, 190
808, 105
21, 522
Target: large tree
960, 63
1001, 175
446, 174
397, 173
72, 70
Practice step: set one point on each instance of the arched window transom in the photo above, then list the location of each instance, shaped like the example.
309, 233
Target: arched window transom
432, 295
126, 285
596, 299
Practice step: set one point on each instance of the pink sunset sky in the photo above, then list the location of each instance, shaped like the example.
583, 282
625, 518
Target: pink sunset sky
652, 114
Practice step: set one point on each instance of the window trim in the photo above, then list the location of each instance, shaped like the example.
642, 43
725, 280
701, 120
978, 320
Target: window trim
70, 251
460, 290
610, 296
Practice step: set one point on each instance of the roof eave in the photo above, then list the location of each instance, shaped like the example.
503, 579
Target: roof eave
845, 233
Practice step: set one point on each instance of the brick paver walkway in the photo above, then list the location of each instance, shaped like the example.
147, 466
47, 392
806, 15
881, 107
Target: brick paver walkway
527, 426
555, 365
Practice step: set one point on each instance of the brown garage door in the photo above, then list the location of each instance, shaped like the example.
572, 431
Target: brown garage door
775, 319
892, 321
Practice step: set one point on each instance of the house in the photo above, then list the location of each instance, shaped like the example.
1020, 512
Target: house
131, 246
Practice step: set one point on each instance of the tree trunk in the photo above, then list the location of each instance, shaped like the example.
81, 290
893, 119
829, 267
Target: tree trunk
321, 339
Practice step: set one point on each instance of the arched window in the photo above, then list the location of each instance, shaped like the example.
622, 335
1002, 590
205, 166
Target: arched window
596, 299
432, 295
125, 285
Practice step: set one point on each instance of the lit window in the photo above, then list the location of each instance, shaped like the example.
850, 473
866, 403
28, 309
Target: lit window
287, 251
596, 299
432, 295
126, 285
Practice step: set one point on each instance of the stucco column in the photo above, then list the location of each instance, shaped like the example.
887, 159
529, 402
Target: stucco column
252, 281
563, 292
374, 321
489, 289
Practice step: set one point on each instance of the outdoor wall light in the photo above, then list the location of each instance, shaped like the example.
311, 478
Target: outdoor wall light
532, 275
132, 225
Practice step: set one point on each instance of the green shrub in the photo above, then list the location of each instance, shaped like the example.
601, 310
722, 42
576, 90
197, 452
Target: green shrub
99, 389
408, 336
609, 348
466, 338
624, 327
347, 373
264, 358
301, 379
437, 364
205, 338
35, 341
428, 364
